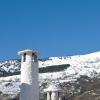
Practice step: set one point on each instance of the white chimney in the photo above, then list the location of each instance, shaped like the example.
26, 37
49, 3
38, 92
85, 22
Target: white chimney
29, 75
53, 92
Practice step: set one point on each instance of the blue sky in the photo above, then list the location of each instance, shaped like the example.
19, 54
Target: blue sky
53, 27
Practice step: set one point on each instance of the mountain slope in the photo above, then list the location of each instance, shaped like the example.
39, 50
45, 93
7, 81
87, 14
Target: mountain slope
70, 72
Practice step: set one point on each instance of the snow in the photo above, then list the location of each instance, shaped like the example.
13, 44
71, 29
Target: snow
15, 78
10, 85
88, 65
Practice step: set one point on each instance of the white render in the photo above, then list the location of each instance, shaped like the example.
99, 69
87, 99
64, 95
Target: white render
53, 92
48, 96
54, 95
29, 75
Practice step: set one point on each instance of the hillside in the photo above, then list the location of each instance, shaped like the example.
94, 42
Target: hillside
79, 76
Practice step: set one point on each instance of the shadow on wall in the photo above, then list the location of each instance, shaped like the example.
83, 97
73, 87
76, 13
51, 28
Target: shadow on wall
28, 92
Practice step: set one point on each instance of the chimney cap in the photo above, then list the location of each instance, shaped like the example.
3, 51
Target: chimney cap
53, 88
28, 51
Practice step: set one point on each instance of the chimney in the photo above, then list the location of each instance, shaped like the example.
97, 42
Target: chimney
53, 92
29, 75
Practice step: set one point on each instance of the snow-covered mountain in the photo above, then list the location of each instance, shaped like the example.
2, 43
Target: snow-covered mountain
64, 69
78, 65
